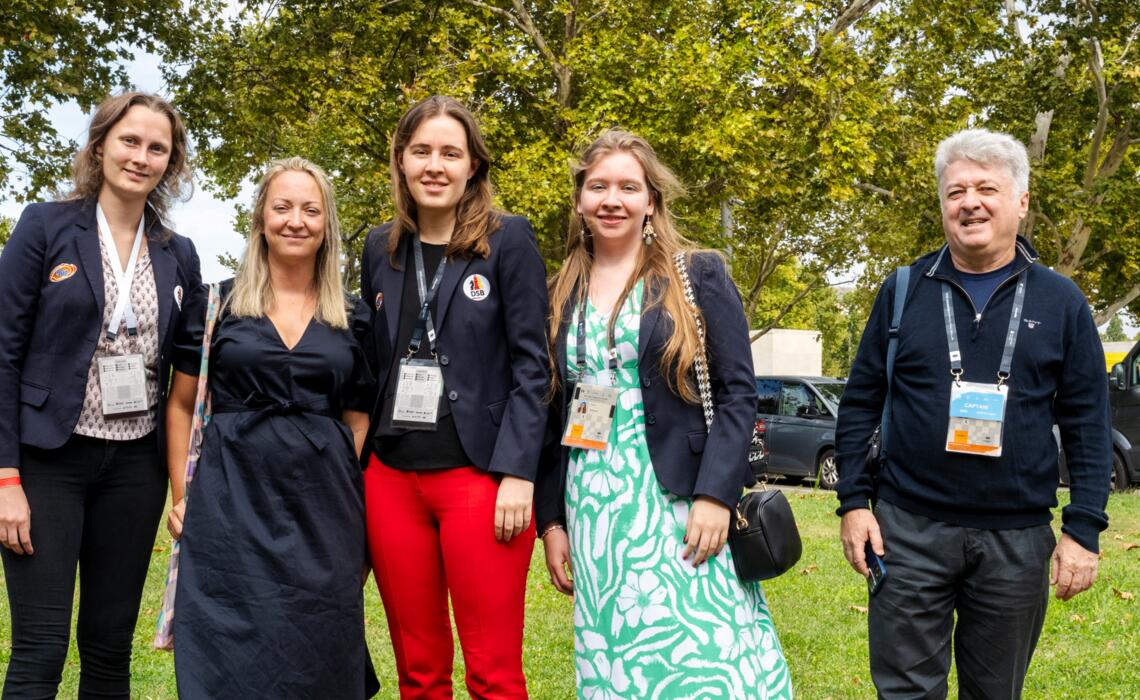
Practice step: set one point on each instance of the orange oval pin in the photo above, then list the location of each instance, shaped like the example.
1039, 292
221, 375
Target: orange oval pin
61, 272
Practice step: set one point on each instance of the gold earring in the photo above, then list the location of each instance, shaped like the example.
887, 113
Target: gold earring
648, 235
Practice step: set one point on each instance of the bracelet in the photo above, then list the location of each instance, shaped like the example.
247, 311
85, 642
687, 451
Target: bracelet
10, 481
550, 528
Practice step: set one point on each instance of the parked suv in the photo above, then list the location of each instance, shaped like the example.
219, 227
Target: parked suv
795, 428
1124, 399
1124, 402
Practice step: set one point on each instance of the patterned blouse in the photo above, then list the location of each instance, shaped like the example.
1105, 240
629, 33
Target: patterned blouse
144, 301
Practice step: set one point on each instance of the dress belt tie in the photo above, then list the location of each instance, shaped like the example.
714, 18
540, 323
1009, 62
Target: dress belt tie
296, 412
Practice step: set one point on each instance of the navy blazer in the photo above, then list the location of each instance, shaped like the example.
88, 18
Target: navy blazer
51, 281
490, 340
687, 460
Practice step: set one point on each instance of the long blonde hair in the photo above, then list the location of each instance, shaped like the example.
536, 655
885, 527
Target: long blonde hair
252, 295
663, 284
475, 218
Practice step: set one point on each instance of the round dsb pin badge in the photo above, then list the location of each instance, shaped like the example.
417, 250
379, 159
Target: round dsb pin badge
477, 287
61, 272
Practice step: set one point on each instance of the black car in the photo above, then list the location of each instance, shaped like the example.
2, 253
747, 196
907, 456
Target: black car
795, 428
1124, 401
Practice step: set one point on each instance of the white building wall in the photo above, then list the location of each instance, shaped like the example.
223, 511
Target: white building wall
786, 351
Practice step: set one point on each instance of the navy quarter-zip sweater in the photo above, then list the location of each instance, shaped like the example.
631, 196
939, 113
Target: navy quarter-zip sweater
1057, 376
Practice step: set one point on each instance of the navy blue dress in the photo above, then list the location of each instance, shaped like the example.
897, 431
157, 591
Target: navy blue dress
269, 600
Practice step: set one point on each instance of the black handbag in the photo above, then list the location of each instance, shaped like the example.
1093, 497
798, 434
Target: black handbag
763, 536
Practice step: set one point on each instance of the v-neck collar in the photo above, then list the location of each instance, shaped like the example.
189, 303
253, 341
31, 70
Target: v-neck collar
281, 339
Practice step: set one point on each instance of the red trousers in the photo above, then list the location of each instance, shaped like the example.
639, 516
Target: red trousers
431, 533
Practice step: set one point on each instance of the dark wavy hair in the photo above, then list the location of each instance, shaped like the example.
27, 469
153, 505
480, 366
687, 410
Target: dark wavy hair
87, 169
475, 218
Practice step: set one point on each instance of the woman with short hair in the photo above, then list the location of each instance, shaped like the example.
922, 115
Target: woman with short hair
269, 600
93, 288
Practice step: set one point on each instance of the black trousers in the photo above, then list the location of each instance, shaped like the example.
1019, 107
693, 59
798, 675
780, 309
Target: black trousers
997, 581
96, 505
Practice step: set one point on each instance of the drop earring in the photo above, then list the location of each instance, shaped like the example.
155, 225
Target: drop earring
648, 235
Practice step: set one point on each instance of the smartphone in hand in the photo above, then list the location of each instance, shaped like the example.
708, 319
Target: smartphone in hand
877, 570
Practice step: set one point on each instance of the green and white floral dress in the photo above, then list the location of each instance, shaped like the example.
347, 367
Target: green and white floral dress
646, 623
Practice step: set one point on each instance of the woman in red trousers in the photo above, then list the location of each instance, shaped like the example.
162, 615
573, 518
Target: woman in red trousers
460, 304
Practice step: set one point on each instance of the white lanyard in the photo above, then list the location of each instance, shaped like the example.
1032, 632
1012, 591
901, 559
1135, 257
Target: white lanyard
123, 278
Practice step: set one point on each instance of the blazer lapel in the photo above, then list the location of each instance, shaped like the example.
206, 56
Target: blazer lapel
90, 259
165, 268
451, 276
564, 337
392, 286
649, 318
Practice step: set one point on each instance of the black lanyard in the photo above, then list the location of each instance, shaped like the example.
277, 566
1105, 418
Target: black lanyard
580, 360
1010, 336
423, 321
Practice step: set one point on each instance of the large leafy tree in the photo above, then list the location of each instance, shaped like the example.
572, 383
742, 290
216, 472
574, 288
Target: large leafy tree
1061, 75
54, 51
739, 97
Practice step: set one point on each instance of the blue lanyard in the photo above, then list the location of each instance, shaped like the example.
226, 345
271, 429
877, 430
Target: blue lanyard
1010, 336
423, 321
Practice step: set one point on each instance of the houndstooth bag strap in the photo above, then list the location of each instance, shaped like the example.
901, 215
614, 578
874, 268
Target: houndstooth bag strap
700, 362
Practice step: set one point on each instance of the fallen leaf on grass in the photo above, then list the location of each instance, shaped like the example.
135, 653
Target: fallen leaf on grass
160, 549
1110, 645
1128, 547
808, 569
1118, 537
1077, 618
858, 608
1100, 555
1123, 595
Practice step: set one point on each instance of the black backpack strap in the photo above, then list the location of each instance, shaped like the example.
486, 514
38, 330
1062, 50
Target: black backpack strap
902, 281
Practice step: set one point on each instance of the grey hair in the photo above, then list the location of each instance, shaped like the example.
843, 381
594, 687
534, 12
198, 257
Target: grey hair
986, 147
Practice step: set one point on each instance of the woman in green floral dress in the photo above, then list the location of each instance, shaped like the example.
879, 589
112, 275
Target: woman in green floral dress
639, 507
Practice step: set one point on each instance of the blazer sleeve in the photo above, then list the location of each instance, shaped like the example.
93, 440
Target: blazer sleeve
522, 278
21, 276
723, 472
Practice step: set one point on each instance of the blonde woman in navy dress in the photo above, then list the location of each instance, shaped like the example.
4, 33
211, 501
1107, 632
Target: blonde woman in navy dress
269, 599
93, 288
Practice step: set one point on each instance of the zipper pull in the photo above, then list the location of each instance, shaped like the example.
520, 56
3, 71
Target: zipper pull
977, 325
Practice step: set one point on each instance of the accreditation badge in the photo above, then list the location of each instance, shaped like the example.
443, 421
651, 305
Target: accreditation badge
122, 382
590, 414
977, 412
419, 387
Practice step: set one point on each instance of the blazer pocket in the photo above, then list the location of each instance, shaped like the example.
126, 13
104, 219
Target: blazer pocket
33, 394
697, 441
496, 410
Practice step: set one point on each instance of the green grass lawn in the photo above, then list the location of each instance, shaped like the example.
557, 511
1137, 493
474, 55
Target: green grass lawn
1089, 649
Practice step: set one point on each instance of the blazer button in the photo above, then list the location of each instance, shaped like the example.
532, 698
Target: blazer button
651, 419
444, 360
645, 382
453, 395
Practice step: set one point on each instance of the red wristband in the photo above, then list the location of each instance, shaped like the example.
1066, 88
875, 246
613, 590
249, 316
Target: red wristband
10, 481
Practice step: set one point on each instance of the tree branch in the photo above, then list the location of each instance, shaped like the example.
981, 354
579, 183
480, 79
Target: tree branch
850, 15
1096, 65
800, 296
523, 20
875, 189
1120, 302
